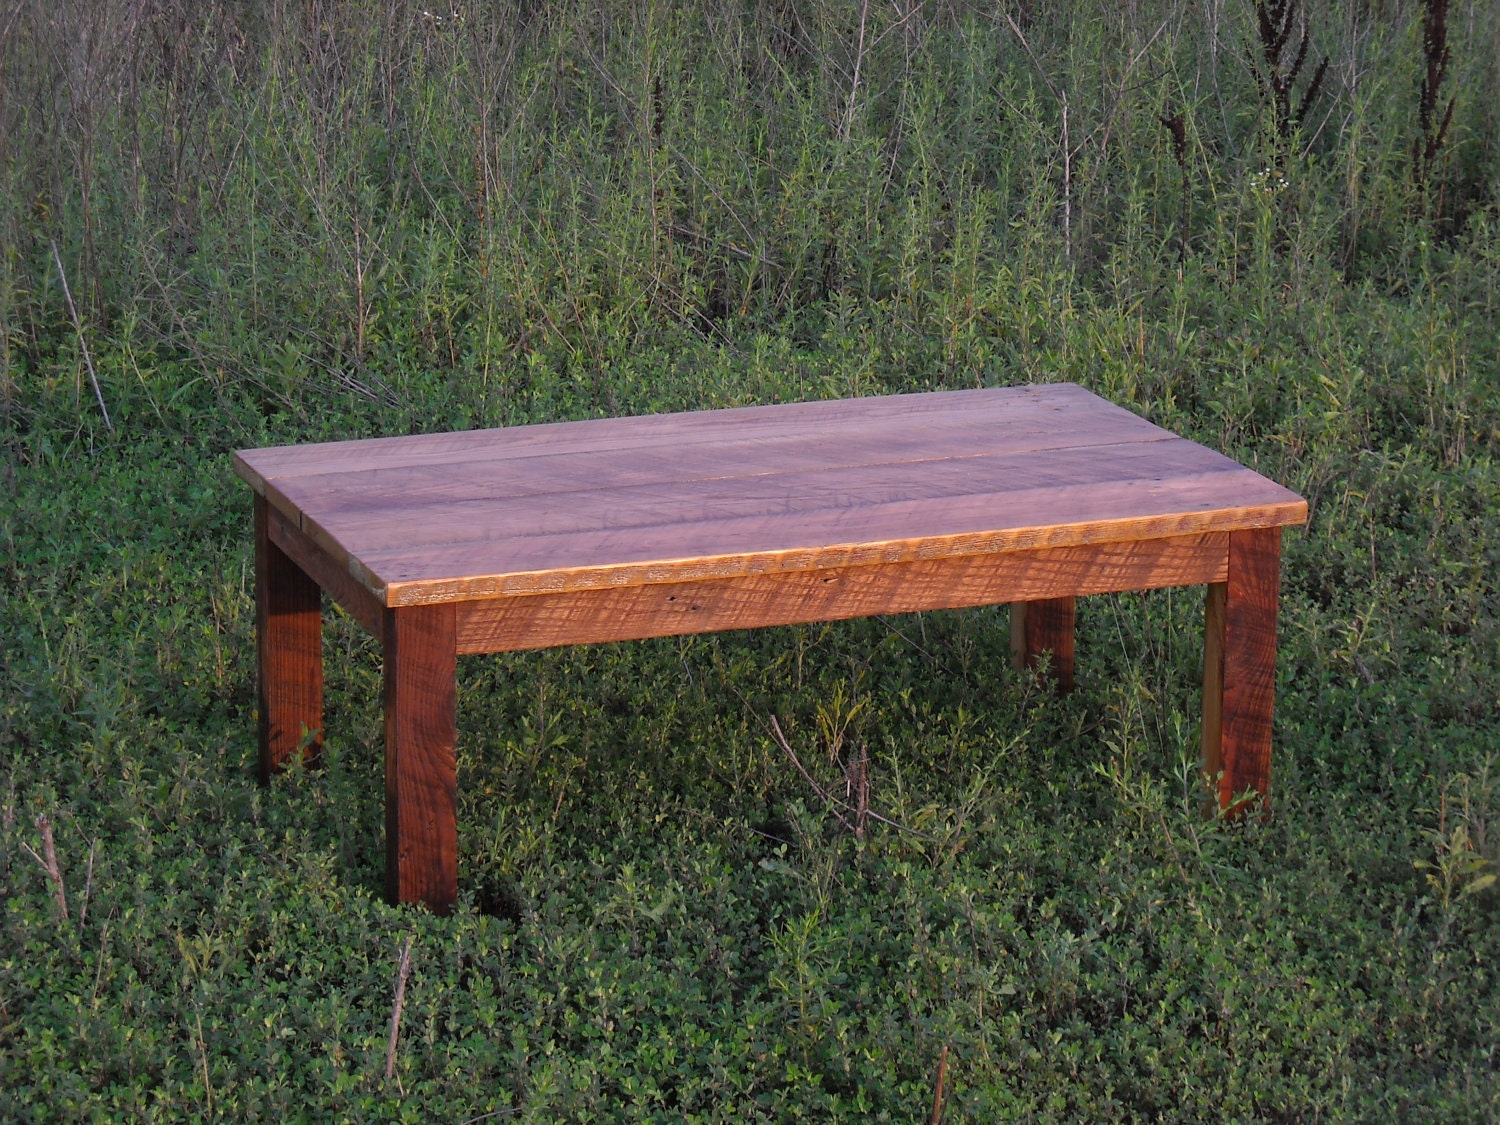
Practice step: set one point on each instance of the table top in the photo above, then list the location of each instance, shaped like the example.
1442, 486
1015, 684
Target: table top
750, 490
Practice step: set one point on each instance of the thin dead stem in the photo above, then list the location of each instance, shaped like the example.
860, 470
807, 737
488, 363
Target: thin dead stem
860, 50
857, 786
48, 861
83, 344
1098, 137
88, 885
401, 974
823, 795
937, 1090
202, 1045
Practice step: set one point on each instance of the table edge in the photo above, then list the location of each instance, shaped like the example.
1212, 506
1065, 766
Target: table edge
395, 594
392, 594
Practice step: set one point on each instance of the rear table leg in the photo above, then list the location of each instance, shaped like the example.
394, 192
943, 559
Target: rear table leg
1239, 669
421, 786
289, 651
1044, 626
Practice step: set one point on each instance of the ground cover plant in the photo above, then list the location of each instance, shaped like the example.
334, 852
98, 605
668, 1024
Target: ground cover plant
1271, 227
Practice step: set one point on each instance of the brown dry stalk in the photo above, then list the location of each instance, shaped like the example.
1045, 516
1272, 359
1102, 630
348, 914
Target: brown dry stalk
857, 779
1277, 72
937, 1092
1432, 130
857, 785
83, 344
48, 861
88, 885
401, 974
202, 1045
1176, 126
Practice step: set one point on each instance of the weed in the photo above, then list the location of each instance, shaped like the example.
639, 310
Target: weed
1277, 70
306, 222
1460, 866
1432, 125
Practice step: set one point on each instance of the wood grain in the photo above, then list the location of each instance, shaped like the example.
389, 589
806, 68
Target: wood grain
289, 652
340, 585
1213, 687
421, 780
572, 505
910, 531
1239, 680
627, 528
1046, 626
502, 473
586, 505
667, 609
1061, 413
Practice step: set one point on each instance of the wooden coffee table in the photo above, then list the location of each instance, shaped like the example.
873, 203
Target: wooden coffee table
619, 529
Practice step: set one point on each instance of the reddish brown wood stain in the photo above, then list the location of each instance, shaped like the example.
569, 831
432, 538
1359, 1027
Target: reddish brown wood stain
1046, 626
1240, 667
421, 790
626, 528
632, 501
340, 584
289, 626
709, 604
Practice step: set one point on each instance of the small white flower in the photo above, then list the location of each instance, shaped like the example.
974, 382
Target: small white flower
1269, 180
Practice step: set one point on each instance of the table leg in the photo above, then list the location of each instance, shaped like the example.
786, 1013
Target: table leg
289, 651
421, 783
1239, 670
1044, 626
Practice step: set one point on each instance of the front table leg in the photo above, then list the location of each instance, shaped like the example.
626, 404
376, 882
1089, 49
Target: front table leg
421, 783
1239, 669
1044, 626
289, 652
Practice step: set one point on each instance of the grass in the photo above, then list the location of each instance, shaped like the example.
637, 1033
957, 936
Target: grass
340, 220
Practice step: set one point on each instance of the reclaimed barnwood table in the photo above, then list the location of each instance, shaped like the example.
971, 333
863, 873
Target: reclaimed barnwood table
620, 529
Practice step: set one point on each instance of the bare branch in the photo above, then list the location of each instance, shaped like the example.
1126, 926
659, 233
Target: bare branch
48, 862
83, 344
827, 798
937, 1092
400, 1001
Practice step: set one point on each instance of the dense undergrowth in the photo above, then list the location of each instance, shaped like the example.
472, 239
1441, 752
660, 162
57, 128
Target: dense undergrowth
305, 221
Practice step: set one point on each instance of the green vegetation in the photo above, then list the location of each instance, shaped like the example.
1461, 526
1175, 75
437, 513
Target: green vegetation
283, 222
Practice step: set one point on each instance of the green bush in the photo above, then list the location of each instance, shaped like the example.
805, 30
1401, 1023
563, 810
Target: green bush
305, 222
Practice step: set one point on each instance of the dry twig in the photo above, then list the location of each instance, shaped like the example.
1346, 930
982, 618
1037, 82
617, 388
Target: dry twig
88, 885
400, 1001
937, 1092
858, 783
83, 344
48, 861
823, 795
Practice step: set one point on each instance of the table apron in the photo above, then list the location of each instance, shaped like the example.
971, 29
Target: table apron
708, 605
316, 563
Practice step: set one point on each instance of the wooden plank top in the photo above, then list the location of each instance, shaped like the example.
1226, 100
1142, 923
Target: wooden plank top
803, 486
